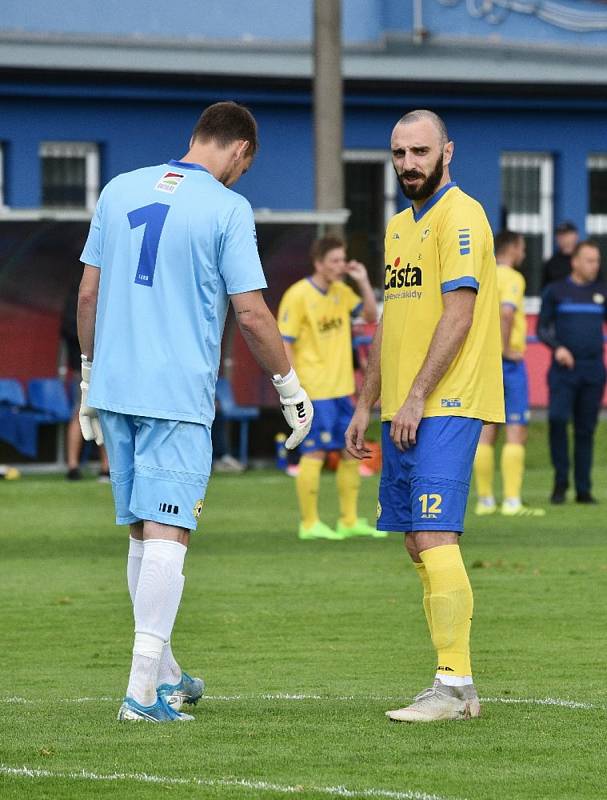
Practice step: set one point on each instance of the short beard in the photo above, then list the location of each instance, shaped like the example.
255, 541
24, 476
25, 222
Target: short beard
428, 187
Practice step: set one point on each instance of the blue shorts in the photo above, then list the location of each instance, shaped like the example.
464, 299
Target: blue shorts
331, 418
425, 488
516, 392
159, 468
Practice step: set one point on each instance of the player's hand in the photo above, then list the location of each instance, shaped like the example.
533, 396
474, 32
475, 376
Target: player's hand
88, 417
296, 407
403, 429
357, 271
564, 357
513, 355
355, 434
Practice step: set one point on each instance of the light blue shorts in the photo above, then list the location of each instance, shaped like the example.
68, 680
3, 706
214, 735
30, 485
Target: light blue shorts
159, 468
425, 488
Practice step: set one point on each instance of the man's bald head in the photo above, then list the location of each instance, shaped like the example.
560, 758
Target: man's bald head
424, 114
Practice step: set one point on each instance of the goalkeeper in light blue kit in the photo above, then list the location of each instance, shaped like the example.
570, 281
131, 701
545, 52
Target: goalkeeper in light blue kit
169, 246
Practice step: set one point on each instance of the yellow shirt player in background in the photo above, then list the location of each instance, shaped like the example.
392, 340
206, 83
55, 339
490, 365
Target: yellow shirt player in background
314, 319
436, 361
510, 254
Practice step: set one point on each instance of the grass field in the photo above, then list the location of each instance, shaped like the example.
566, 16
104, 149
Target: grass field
303, 647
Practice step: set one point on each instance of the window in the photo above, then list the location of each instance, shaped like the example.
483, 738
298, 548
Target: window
70, 174
527, 208
370, 187
596, 219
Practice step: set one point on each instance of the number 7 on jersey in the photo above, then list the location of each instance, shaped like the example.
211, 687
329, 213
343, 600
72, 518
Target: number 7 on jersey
153, 217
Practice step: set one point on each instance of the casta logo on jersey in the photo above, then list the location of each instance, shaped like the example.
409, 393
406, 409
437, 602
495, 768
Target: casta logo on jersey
397, 276
326, 324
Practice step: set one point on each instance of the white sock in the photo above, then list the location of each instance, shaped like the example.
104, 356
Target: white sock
157, 599
159, 588
133, 565
454, 680
170, 671
144, 669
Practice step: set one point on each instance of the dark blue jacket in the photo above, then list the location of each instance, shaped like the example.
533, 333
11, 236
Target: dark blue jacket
572, 316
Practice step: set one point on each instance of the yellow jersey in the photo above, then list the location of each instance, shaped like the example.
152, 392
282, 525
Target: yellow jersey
317, 324
511, 292
445, 246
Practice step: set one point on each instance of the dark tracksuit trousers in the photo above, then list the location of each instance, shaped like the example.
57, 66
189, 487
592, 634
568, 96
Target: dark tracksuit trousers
574, 394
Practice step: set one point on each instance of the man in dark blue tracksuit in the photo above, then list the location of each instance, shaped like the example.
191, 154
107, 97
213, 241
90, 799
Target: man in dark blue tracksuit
571, 323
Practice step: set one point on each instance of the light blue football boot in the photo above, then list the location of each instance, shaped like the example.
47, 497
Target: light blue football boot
188, 690
161, 711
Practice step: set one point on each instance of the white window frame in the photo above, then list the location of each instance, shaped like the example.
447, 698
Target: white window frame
87, 150
541, 222
384, 157
596, 224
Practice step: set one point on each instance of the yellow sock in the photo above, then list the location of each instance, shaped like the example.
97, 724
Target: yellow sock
307, 483
483, 470
348, 486
451, 606
513, 467
423, 576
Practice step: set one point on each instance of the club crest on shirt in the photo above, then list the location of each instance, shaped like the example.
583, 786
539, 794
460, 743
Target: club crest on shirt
169, 182
426, 232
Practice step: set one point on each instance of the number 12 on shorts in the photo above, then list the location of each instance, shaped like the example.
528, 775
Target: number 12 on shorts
153, 217
430, 503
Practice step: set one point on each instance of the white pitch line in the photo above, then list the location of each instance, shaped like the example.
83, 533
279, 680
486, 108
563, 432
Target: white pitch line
546, 701
242, 783
280, 696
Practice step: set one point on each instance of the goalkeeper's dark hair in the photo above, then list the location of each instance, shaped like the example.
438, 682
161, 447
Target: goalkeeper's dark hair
225, 123
321, 247
505, 239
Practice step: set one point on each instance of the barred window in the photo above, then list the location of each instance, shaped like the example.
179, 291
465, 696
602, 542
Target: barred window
370, 190
70, 174
528, 207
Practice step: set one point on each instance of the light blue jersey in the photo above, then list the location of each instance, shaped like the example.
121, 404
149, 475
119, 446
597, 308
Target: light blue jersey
172, 244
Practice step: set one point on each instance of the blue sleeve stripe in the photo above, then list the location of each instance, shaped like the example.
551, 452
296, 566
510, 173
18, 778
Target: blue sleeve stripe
357, 309
466, 282
580, 308
289, 338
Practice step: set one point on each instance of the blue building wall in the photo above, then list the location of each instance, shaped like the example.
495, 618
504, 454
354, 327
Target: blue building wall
363, 20
139, 126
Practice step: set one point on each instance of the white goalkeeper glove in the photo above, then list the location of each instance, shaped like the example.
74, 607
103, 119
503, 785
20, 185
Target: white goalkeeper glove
296, 407
89, 420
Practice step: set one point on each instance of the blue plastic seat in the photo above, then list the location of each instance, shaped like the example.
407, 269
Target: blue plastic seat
49, 398
11, 392
18, 425
232, 411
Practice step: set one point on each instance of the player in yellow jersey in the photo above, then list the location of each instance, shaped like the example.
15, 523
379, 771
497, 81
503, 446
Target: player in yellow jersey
510, 254
435, 359
314, 320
